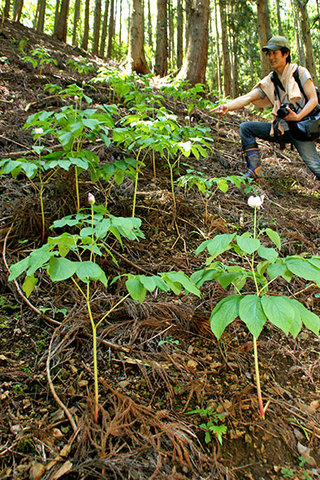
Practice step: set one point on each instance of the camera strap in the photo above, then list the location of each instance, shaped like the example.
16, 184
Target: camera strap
277, 84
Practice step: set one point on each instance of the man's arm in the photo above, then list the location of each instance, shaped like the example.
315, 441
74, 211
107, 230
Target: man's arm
311, 94
238, 102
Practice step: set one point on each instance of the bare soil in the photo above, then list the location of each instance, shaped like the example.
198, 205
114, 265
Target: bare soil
157, 361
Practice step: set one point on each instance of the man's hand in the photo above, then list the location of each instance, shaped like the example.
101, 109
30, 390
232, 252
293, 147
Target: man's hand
292, 116
221, 110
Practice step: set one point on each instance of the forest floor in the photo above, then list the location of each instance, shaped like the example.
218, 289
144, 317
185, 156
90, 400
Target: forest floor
158, 361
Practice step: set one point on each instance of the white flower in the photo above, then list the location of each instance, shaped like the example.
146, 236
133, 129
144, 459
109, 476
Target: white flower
38, 131
91, 199
255, 202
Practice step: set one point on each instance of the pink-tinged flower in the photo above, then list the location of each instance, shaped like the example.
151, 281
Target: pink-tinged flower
91, 199
38, 131
255, 202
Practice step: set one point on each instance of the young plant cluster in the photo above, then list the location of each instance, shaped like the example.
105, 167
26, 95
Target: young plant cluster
149, 131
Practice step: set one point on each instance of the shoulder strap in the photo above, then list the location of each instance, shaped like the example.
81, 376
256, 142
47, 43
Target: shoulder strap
277, 84
297, 79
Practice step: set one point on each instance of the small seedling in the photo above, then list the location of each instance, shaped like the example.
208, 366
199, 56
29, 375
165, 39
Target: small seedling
212, 426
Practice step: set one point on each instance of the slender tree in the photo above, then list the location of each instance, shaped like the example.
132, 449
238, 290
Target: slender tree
136, 61
85, 38
96, 27
38, 22
161, 56
225, 49
62, 20
104, 29
263, 30
17, 10
179, 33
111, 29
306, 36
278, 7
6, 10
149, 26
76, 18
195, 63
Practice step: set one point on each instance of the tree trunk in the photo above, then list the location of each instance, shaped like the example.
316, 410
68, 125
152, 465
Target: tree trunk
306, 36
76, 18
297, 29
217, 46
179, 33
171, 49
17, 10
41, 15
149, 27
6, 10
136, 61
60, 32
85, 38
263, 35
104, 29
278, 6
195, 62
161, 55
111, 29
96, 27
225, 50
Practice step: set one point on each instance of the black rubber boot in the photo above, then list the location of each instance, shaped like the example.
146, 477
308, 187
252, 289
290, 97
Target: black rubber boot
252, 156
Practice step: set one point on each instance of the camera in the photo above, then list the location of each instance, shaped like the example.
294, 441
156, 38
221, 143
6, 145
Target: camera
283, 110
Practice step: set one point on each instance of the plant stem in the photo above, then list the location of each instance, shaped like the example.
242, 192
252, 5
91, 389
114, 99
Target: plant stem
77, 188
135, 185
42, 212
95, 362
256, 364
255, 346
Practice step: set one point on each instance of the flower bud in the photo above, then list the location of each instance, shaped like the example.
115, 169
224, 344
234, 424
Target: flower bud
255, 202
91, 199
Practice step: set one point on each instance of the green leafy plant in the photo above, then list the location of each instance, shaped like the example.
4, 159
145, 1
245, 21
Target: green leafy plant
37, 170
38, 57
208, 187
80, 66
83, 249
73, 126
262, 266
213, 425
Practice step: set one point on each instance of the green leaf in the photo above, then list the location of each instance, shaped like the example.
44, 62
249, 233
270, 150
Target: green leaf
148, 282
248, 245
29, 284
297, 321
252, 314
315, 261
136, 289
180, 278
226, 278
277, 270
204, 275
302, 268
274, 237
89, 271
224, 313
39, 258
61, 269
279, 311
310, 319
18, 268
216, 245
268, 253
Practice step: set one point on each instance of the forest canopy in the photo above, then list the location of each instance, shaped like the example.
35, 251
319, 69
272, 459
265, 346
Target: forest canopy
222, 39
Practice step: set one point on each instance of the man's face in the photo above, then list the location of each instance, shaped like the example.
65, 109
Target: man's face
277, 59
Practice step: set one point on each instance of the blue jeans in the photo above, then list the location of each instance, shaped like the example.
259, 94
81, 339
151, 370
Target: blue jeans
249, 131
